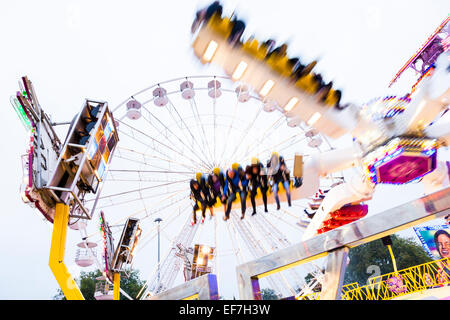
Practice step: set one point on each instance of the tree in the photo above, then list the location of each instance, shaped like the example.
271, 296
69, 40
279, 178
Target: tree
373, 259
131, 285
269, 294
87, 280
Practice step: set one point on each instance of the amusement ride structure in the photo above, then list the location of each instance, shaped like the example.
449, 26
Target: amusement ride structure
162, 136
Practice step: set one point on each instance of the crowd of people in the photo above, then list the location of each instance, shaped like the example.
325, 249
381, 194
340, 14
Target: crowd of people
300, 73
207, 190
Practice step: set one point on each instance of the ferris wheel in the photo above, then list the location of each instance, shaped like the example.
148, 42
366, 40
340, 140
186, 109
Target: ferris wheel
174, 129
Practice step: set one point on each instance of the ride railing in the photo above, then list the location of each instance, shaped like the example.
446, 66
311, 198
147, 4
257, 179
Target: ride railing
422, 277
103, 288
316, 295
430, 275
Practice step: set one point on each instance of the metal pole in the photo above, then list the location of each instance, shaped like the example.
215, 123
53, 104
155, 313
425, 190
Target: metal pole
158, 220
56, 261
116, 290
334, 274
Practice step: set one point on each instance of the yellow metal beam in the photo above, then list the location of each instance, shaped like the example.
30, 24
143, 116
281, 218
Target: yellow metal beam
394, 263
56, 261
193, 297
116, 293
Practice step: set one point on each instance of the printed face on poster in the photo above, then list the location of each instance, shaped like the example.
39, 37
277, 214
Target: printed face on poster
435, 240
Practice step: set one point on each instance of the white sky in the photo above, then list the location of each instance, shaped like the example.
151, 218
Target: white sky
107, 50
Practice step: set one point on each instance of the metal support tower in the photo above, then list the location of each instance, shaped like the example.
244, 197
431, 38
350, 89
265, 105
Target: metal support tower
256, 250
279, 241
171, 264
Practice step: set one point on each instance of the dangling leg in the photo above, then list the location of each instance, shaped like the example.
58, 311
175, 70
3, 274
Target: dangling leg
243, 195
275, 194
211, 204
252, 198
204, 206
264, 196
224, 202
194, 214
230, 200
287, 186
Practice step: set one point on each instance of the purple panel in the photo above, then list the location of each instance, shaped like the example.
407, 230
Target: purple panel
256, 289
213, 289
405, 168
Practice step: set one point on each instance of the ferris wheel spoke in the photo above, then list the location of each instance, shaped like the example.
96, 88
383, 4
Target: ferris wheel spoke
173, 202
154, 148
199, 123
254, 143
141, 180
155, 211
214, 124
302, 138
140, 211
275, 125
262, 229
148, 233
153, 196
170, 219
187, 127
152, 166
169, 195
162, 144
141, 176
145, 156
245, 133
136, 190
194, 152
229, 130
261, 140
173, 133
193, 104
277, 145
203, 129
146, 284
151, 171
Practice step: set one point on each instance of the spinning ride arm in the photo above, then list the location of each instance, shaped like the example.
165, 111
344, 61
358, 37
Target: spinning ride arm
358, 189
322, 164
432, 98
437, 179
271, 79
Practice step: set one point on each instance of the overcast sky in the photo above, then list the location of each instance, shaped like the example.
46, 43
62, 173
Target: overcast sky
107, 50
